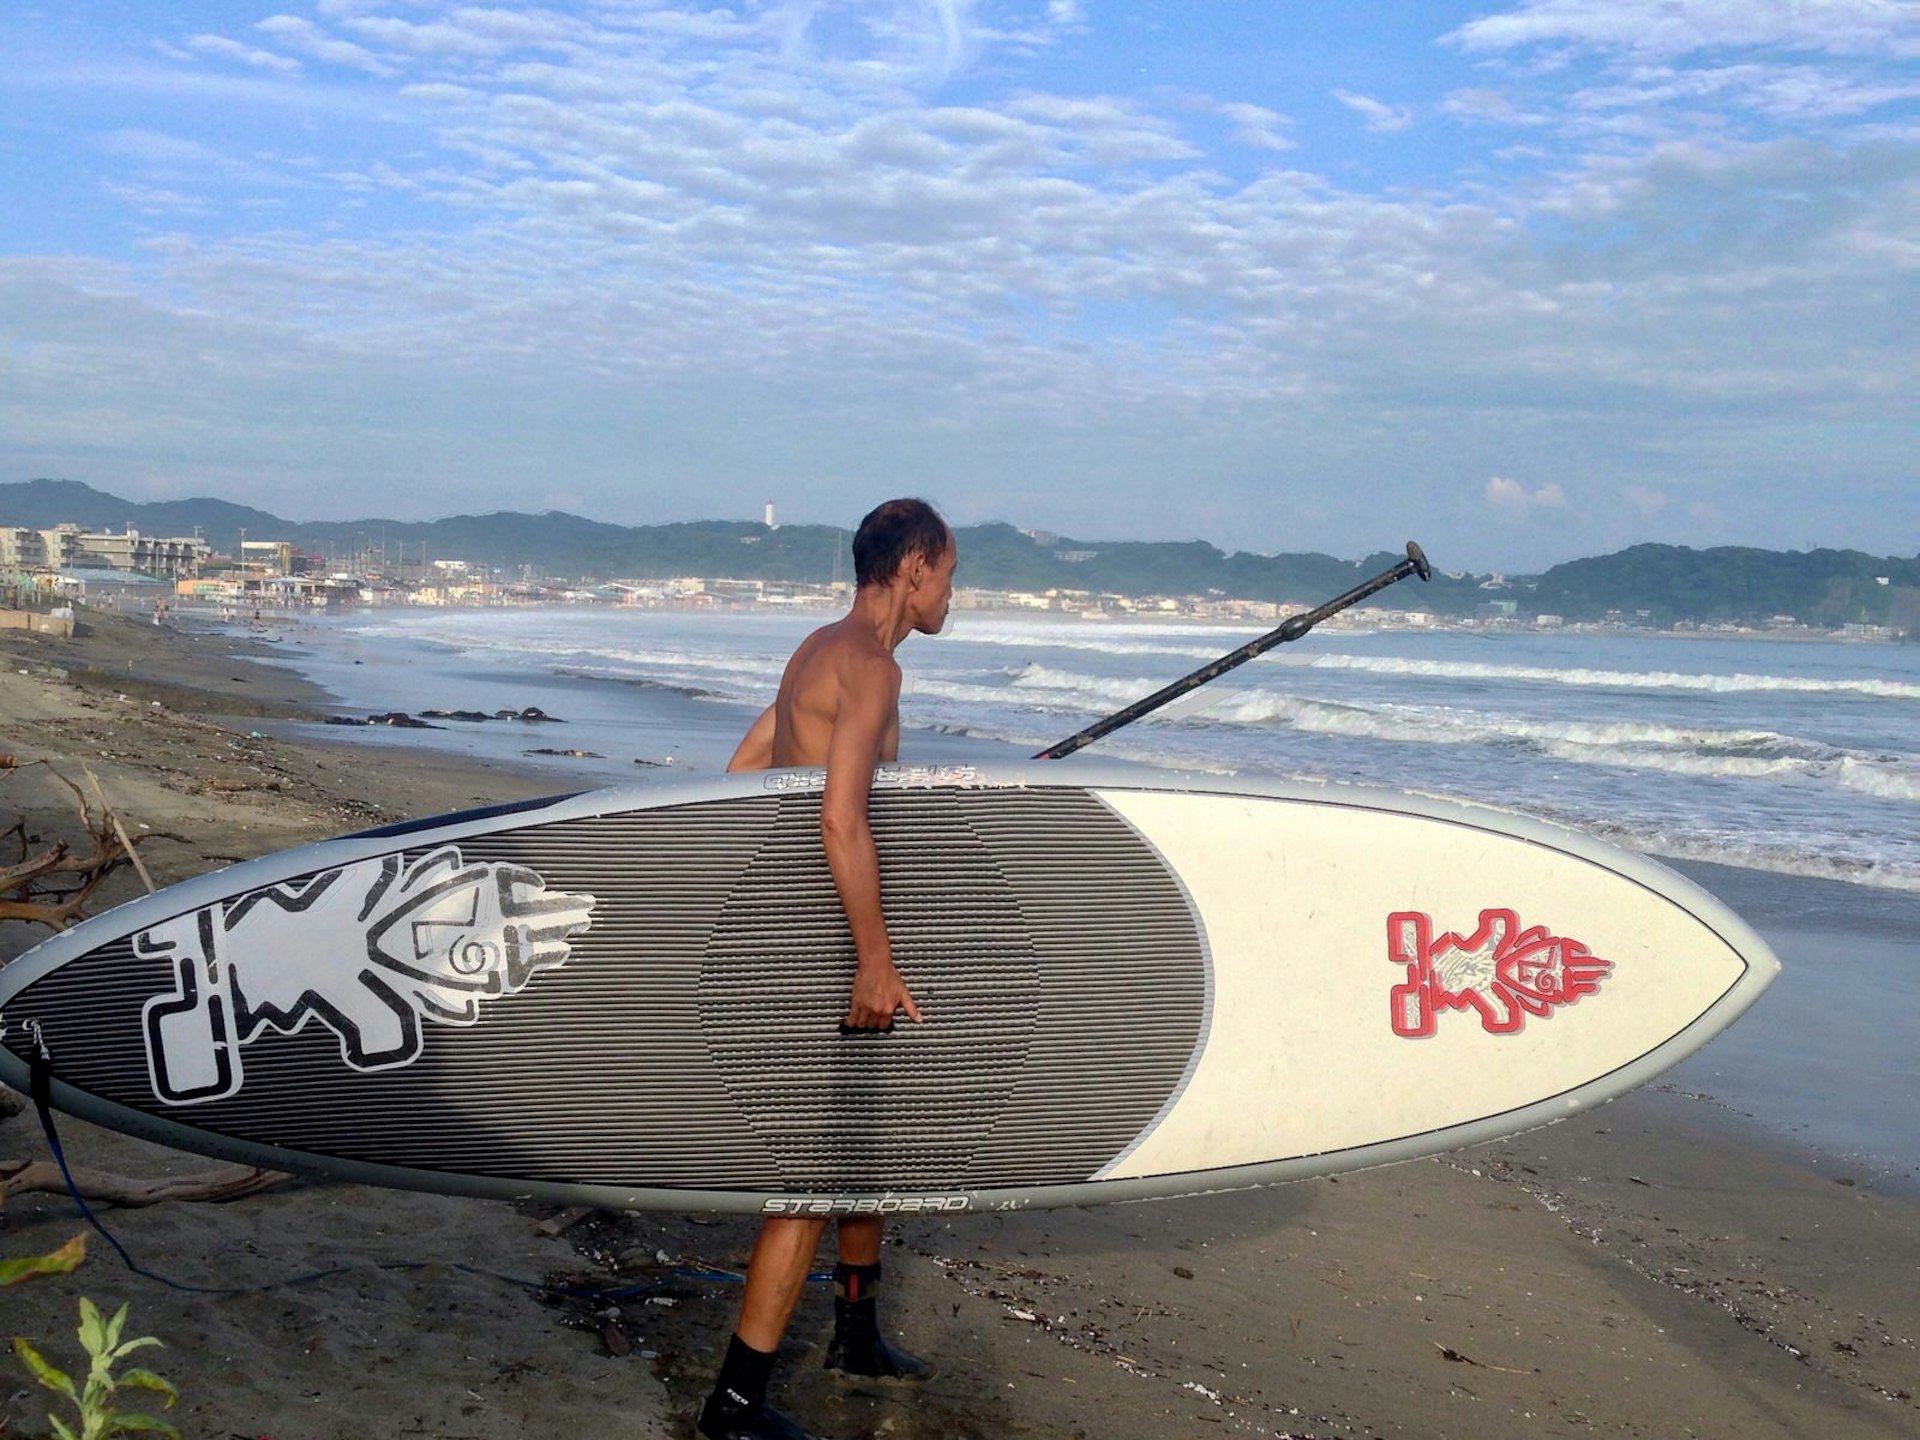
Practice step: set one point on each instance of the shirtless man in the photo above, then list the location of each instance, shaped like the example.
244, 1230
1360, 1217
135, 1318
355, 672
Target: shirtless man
839, 706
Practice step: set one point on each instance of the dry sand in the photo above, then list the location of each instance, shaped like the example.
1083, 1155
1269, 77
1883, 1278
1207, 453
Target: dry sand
1656, 1268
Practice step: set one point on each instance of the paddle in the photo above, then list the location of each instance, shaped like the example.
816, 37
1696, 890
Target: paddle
1291, 629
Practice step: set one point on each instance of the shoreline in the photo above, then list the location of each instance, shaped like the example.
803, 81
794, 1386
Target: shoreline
1344, 622
702, 718
1652, 1267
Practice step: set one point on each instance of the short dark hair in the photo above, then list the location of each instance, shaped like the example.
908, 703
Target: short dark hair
891, 533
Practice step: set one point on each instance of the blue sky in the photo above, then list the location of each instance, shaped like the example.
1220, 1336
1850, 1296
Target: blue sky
1522, 281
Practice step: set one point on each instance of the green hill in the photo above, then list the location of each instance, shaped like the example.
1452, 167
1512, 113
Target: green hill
1645, 584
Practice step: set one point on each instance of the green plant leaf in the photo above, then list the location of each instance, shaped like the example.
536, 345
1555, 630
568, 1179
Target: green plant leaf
46, 1374
60, 1430
141, 1425
93, 1329
59, 1262
147, 1380
114, 1327
133, 1345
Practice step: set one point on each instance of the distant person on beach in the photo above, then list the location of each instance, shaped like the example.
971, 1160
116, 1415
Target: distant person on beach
839, 706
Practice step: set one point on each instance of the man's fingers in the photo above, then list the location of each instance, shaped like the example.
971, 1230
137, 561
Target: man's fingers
858, 1021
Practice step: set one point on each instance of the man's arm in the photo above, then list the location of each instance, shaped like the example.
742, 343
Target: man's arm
755, 751
868, 703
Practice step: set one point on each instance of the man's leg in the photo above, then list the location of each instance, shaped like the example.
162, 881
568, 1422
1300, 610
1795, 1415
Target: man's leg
860, 1239
737, 1409
857, 1347
776, 1271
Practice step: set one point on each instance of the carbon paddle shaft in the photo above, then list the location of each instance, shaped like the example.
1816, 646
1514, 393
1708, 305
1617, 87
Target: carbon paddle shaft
1291, 629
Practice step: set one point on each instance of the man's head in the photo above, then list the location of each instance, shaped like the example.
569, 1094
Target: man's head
906, 541
891, 534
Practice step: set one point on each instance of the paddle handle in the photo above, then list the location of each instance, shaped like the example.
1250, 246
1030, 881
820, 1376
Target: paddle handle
1292, 628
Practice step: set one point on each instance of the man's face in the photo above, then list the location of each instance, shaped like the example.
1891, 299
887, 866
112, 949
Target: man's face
934, 591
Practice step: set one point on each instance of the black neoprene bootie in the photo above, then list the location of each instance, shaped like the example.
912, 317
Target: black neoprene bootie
858, 1348
722, 1420
737, 1409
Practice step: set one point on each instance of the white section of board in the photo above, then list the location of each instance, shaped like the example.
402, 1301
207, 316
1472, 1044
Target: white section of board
1295, 900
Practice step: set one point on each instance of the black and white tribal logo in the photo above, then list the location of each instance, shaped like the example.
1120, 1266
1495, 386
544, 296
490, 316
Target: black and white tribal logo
436, 935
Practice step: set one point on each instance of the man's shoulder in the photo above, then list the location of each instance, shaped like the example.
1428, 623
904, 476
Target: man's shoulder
854, 645
869, 666
844, 655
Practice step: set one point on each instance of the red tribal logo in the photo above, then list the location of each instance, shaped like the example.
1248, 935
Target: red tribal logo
1503, 972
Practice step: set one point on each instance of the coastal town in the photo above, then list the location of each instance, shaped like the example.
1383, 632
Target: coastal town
70, 563
53, 567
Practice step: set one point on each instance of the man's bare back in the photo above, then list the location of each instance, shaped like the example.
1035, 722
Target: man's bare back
834, 663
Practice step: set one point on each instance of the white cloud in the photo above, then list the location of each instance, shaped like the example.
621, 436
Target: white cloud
1380, 117
1259, 127
1679, 27
1645, 71
615, 232
151, 148
151, 200
1480, 104
223, 48
1781, 92
1514, 497
309, 39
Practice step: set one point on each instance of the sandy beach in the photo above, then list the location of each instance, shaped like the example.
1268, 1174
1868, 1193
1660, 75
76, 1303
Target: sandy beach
1661, 1267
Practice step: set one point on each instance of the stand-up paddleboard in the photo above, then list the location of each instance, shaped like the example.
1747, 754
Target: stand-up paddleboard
1132, 987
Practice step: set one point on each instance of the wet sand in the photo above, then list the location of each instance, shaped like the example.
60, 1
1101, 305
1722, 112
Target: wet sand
1663, 1266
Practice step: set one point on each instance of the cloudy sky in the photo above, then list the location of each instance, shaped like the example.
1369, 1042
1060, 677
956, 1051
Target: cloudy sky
1522, 281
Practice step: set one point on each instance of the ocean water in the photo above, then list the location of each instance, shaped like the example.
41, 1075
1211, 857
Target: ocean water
1796, 757
1774, 758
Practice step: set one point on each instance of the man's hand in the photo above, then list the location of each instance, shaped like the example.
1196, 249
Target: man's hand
878, 992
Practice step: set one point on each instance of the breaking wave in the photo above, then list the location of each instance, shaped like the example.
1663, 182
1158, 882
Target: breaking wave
1678, 750
1651, 746
1620, 679
1721, 767
1776, 859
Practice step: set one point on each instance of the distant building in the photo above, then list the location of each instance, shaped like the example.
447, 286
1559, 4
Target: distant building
69, 547
24, 548
275, 555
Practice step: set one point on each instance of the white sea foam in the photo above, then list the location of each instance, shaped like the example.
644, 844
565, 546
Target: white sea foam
1820, 779
1883, 781
1069, 687
1620, 679
1877, 872
1649, 746
1189, 642
1678, 750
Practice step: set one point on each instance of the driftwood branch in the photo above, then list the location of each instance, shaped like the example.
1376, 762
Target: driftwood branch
119, 830
19, 1177
36, 887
